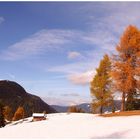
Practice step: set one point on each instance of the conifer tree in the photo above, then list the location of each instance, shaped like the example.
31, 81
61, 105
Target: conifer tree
126, 65
2, 120
101, 85
19, 114
8, 113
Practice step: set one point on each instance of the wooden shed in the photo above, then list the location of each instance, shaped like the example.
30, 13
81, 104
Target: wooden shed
39, 116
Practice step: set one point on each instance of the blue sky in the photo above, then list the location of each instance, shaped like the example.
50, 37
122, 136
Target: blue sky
53, 48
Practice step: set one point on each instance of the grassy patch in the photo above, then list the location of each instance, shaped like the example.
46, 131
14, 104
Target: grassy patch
124, 113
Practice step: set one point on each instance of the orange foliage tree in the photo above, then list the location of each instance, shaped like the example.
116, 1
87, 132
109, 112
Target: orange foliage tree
126, 65
19, 114
75, 109
7, 113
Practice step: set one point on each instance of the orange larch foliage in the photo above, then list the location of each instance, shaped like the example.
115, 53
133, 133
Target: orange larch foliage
126, 64
19, 114
8, 113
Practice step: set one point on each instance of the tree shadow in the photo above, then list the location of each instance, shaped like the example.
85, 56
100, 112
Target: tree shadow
20, 121
114, 135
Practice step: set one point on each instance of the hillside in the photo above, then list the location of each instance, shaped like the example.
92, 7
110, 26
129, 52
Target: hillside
14, 95
74, 125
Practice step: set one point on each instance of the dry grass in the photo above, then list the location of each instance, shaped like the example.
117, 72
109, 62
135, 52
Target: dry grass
125, 113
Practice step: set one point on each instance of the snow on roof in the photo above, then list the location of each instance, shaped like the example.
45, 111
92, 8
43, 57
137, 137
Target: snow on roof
38, 115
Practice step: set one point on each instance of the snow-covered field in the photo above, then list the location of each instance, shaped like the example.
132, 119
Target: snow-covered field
74, 125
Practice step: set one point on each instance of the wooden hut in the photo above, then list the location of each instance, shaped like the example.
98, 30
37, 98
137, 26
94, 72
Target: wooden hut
39, 116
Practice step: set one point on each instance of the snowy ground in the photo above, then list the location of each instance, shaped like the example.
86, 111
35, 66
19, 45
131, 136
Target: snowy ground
74, 125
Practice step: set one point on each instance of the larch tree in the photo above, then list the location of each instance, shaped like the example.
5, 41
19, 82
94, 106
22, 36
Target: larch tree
19, 114
126, 65
75, 109
8, 113
100, 86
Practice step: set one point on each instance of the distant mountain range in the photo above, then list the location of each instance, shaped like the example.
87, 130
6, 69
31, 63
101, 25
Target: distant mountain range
86, 107
14, 95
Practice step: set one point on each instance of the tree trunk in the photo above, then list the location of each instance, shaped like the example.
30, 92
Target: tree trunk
101, 110
113, 107
123, 102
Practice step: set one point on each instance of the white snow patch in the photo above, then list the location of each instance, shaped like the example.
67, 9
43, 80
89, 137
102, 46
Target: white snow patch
74, 125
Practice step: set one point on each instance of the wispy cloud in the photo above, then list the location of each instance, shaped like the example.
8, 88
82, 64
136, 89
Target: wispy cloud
103, 40
104, 27
1, 20
73, 68
56, 40
74, 54
38, 43
70, 94
113, 18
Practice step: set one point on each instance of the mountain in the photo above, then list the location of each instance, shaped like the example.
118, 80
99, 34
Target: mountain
86, 107
60, 108
14, 95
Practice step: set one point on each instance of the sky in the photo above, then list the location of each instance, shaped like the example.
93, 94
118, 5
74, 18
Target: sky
52, 49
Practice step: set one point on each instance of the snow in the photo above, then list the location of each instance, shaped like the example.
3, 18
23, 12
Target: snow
74, 125
38, 114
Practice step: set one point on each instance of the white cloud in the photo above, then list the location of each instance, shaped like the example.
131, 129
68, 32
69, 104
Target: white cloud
80, 73
1, 20
82, 78
74, 54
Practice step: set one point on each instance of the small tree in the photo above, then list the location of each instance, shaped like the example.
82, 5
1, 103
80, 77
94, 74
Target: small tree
8, 113
2, 120
75, 109
19, 114
72, 108
101, 86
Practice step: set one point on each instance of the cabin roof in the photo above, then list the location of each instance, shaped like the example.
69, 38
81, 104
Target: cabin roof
38, 115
